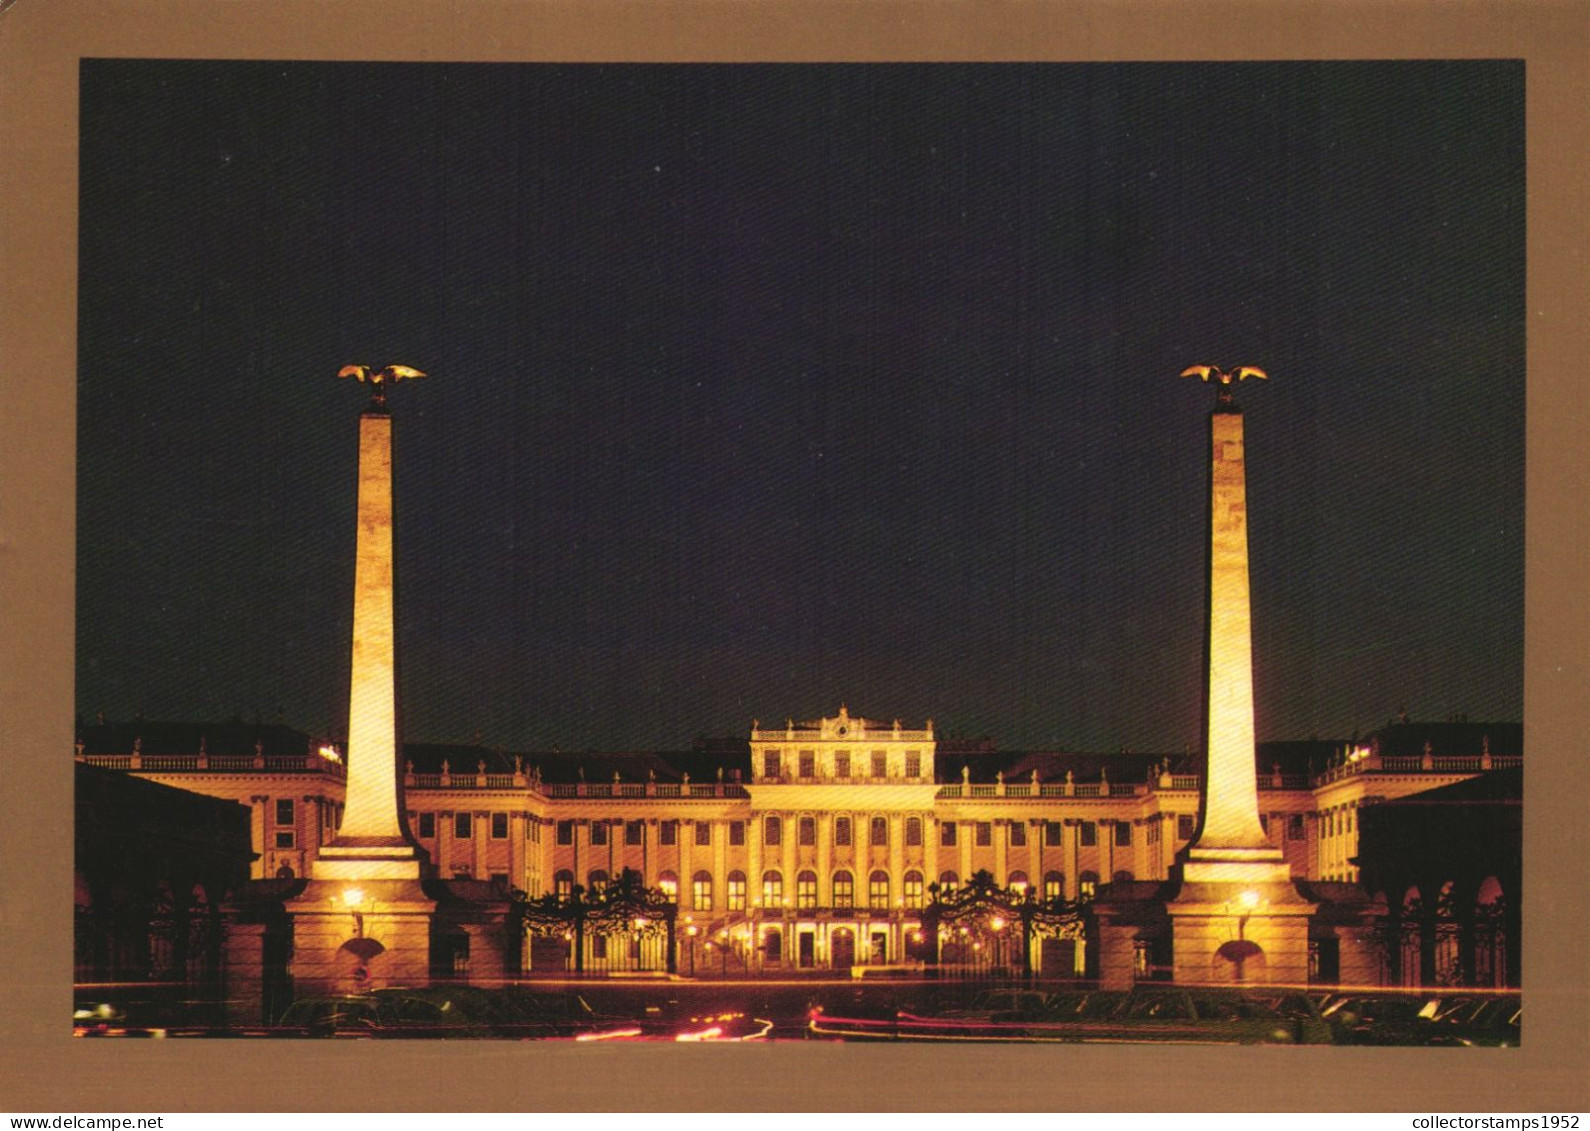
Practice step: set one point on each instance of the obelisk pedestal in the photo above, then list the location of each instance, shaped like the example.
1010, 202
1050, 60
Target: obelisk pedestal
1237, 917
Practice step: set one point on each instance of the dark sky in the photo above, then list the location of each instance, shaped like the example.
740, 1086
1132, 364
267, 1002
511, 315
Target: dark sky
759, 388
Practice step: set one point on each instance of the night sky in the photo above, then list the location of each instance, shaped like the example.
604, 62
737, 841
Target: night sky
756, 389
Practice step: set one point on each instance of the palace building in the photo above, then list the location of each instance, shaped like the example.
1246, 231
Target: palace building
847, 843
814, 845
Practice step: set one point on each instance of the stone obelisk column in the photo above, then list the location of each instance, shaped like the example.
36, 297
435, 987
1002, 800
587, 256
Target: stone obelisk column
364, 918
1230, 832
1237, 916
370, 843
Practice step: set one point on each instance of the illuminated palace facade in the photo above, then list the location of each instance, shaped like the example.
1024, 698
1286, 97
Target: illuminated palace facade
813, 846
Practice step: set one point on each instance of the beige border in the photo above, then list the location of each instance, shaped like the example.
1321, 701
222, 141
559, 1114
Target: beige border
43, 1070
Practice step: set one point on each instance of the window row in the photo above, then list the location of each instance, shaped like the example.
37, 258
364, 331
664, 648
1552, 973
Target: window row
463, 826
806, 764
702, 893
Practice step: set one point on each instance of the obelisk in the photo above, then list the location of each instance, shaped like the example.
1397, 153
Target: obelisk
1236, 917
370, 842
1230, 844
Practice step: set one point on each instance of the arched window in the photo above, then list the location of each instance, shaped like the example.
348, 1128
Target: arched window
701, 891
598, 881
880, 832
844, 891
948, 882
1122, 877
808, 830
668, 883
773, 832
1054, 885
912, 886
1018, 882
842, 831
806, 891
878, 890
913, 831
772, 889
737, 890
1087, 885
563, 885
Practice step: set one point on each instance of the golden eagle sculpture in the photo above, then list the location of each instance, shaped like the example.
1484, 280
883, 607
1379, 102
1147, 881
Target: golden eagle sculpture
1225, 378
378, 379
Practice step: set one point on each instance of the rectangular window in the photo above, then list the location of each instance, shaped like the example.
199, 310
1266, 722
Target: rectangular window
284, 838
668, 832
1294, 827
1090, 833
842, 764
736, 833
703, 832
1051, 834
880, 832
773, 832
913, 832
880, 764
770, 766
499, 826
565, 832
808, 831
284, 812
598, 832
427, 825
985, 834
1185, 822
842, 831
632, 832
463, 825
808, 764
913, 764
701, 892
1123, 833
598, 946
1018, 834
947, 833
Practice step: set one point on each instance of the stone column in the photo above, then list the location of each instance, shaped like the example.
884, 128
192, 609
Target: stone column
755, 830
371, 843
372, 708
516, 844
1237, 915
1231, 829
825, 860
790, 866
896, 857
